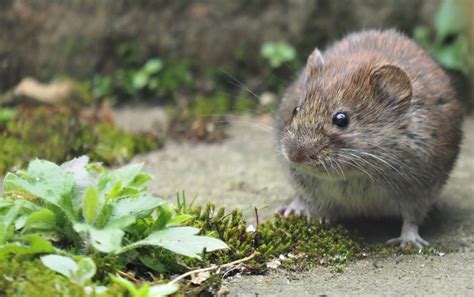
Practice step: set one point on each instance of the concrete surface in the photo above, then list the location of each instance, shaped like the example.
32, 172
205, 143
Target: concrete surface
243, 171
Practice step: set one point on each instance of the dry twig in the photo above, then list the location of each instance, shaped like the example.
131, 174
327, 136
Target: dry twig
213, 268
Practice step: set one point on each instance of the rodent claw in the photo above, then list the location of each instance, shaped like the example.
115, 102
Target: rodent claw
404, 242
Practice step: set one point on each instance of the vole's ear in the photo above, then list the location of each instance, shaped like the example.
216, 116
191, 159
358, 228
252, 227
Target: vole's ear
391, 83
315, 63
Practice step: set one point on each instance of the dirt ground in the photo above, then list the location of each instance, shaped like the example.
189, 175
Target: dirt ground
243, 171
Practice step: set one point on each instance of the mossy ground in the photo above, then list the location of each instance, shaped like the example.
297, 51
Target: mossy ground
61, 133
294, 242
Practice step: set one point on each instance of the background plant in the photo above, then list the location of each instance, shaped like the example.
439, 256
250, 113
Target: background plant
448, 41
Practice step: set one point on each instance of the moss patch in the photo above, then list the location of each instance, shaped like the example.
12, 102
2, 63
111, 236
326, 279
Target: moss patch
60, 133
292, 242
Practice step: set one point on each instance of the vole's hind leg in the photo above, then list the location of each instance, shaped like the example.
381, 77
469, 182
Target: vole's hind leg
409, 236
413, 215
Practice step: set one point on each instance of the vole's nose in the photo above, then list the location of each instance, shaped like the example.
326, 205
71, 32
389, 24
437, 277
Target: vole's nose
299, 155
302, 153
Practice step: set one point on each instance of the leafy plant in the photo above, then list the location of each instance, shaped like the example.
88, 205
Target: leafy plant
146, 76
155, 79
448, 43
81, 209
278, 53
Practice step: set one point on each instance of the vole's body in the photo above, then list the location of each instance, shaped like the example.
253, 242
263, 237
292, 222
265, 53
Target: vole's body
401, 140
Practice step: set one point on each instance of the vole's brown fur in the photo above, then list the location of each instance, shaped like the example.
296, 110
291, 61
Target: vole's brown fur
401, 142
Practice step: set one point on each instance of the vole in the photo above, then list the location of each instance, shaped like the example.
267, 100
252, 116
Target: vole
370, 128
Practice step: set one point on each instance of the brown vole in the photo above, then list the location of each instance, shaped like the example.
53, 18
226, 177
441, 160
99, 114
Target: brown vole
371, 127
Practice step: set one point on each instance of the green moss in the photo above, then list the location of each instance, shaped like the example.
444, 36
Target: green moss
303, 244
306, 242
59, 134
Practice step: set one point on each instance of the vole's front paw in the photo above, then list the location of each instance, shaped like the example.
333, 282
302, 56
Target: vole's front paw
297, 206
409, 237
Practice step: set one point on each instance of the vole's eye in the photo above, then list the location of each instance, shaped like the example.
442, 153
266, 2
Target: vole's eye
296, 110
340, 119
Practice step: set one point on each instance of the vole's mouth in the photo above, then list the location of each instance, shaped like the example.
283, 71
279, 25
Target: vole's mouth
314, 166
318, 166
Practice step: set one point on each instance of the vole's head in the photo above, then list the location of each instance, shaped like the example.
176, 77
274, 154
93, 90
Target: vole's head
347, 117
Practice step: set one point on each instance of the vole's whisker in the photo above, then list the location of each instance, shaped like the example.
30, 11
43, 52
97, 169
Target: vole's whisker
240, 84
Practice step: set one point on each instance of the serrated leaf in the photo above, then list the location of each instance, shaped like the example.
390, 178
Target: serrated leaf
90, 205
180, 240
104, 240
26, 245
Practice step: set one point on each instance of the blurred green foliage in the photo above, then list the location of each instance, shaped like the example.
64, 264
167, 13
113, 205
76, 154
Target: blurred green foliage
448, 42
154, 80
278, 53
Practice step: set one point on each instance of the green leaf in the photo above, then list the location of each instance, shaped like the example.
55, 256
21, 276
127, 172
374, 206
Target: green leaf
152, 263
85, 271
153, 66
63, 265
180, 240
120, 222
8, 220
129, 173
165, 213
104, 240
178, 220
125, 283
46, 181
43, 219
450, 18
140, 80
278, 53
90, 205
78, 273
138, 207
163, 290
455, 56
26, 245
